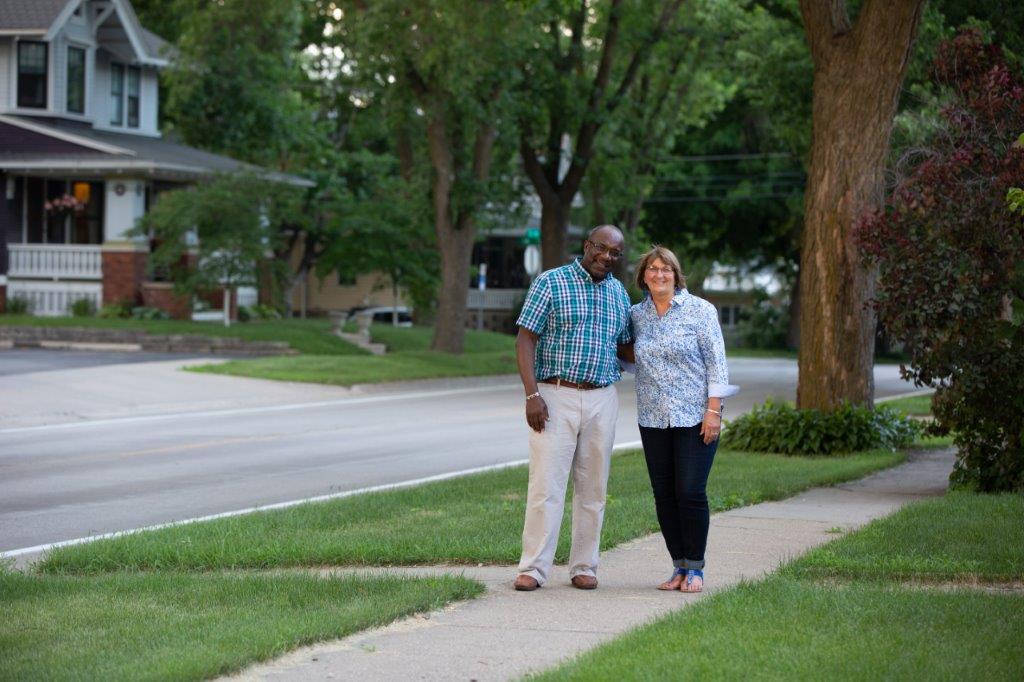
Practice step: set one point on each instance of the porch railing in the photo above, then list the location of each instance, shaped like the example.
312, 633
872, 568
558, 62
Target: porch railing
495, 299
51, 299
55, 261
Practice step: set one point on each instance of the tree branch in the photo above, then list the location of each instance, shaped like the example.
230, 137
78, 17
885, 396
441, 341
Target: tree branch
824, 22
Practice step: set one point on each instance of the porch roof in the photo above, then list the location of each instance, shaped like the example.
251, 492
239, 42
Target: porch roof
35, 146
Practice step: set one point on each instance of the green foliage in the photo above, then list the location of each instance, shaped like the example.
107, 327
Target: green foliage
765, 324
781, 428
120, 310
379, 227
18, 305
146, 313
229, 224
82, 307
233, 87
950, 256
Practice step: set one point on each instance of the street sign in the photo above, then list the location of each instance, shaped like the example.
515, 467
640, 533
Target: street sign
531, 260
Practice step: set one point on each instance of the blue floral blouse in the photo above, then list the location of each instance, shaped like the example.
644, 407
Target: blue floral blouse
680, 361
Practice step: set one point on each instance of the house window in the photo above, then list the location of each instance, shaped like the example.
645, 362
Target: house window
43, 225
76, 80
116, 94
133, 97
32, 65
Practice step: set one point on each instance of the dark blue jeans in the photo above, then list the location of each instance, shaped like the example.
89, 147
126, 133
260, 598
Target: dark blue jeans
678, 463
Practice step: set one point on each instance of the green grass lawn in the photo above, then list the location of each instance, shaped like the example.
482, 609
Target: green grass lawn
465, 520
786, 629
914, 406
402, 339
175, 626
347, 370
961, 535
311, 336
832, 614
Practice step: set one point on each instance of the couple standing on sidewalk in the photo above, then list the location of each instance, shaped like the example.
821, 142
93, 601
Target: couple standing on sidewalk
576, 322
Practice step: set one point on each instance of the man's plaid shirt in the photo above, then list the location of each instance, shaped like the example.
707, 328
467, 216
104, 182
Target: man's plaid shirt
579, 322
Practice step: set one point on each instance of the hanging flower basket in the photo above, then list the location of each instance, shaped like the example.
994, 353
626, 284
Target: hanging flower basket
64, 205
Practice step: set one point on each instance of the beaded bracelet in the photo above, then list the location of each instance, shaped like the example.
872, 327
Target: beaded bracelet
533, 395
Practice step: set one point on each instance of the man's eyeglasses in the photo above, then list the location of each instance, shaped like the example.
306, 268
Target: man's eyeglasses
614, 254
655, 270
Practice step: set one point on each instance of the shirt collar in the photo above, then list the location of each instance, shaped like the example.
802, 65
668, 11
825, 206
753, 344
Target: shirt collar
679, 299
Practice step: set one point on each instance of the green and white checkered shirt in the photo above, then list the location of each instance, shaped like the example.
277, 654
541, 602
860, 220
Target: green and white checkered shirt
579, 322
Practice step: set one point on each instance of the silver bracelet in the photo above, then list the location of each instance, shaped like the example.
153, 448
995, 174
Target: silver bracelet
533, 395
713, 412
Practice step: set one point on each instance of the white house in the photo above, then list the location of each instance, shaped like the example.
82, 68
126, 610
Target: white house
81, 154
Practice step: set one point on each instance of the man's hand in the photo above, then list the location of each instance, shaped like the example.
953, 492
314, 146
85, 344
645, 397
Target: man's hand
536, 413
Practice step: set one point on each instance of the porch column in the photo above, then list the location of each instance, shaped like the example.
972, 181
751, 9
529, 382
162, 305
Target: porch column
124, 257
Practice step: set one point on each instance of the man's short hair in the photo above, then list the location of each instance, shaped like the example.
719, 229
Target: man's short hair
668, 258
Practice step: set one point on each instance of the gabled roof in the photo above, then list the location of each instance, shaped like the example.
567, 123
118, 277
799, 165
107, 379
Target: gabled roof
29, 16
100, 153
47, 17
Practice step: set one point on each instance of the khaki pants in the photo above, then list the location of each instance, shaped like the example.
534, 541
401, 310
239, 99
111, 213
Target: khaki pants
578, 437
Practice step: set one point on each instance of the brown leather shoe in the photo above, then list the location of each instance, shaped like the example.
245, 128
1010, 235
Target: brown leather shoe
584, 582
526, 583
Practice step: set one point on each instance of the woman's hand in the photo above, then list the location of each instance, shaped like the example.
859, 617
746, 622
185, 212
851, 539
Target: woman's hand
711, 427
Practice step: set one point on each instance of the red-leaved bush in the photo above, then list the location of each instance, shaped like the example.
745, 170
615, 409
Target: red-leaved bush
950, 255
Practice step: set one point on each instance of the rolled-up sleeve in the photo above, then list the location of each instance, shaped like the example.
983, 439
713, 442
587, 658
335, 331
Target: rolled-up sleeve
712, 349
536, 307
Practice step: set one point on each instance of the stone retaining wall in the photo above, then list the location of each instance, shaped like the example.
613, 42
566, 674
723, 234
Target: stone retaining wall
127, 339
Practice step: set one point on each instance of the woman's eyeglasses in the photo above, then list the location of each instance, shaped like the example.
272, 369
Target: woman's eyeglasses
655, 270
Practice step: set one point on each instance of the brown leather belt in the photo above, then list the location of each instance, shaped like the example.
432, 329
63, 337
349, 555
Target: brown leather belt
558, 381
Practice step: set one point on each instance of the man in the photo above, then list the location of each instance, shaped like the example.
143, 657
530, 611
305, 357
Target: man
572, 320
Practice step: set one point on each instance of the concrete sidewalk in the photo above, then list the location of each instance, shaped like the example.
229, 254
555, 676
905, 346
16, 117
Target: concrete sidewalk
506, 634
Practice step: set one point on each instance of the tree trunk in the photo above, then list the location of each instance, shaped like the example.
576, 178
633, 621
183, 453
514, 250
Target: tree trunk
554, 233
857, 77
455, 234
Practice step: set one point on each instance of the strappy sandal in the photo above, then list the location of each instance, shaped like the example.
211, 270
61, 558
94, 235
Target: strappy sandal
672, 583
690, 584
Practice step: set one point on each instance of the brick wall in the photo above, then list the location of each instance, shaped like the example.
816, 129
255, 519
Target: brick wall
123, 273
161, 295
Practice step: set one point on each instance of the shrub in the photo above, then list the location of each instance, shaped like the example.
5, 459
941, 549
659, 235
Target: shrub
18, 305
244, 313
146, 313
950, 255
262, 311
781, 428
82, 307
121, 309
765, 324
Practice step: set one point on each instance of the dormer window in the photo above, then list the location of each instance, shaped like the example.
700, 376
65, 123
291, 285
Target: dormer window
32, 66
116, 94
134, 75
76, 80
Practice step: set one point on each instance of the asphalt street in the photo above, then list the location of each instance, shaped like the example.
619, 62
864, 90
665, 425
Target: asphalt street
93, 448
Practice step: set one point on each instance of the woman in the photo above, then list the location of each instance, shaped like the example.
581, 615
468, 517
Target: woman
681, 378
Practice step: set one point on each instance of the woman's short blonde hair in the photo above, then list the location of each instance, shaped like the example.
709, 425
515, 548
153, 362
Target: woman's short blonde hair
668, 258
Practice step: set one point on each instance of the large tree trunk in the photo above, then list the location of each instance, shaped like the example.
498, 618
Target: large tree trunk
554, 233
455, 233
857, 77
